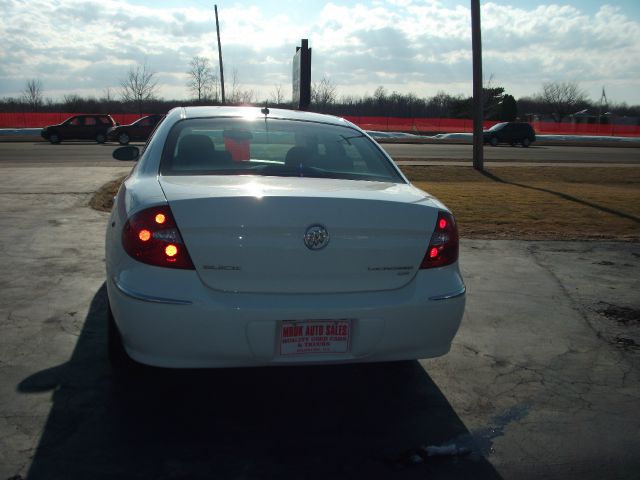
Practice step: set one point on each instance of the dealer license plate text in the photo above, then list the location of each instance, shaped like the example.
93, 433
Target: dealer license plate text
311, 337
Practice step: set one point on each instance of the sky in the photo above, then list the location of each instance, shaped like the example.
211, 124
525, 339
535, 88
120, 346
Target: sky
423, 47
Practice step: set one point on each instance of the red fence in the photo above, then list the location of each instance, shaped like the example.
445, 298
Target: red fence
460, 125
416, 125
388, 124
38, 120
612, 129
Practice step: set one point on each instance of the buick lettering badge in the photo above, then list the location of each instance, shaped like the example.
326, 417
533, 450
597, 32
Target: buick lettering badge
316, 237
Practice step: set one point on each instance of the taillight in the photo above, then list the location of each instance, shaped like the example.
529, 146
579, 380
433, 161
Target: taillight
443, 247
152, 236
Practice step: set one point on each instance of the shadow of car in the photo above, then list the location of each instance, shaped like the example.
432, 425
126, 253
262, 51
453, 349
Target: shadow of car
208, 423
80, 127
139, 130
511, 133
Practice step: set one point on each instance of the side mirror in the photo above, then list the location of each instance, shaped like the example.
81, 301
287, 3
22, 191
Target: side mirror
126, 153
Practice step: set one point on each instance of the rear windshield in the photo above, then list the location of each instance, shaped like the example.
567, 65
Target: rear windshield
273, 147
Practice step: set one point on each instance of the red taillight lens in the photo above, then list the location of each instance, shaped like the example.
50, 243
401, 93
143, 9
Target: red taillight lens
443, 247
152, 236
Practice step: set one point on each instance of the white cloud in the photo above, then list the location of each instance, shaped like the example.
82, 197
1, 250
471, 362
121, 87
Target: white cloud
409, 46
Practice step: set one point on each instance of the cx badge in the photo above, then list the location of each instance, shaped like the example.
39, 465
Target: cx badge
316, 237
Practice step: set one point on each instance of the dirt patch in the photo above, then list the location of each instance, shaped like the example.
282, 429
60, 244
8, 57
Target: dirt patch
102, 200
525, 174
428, 138
619, 325
537, 203
622, 315
626, 343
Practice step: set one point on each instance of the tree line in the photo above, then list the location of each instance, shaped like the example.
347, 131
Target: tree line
138, 92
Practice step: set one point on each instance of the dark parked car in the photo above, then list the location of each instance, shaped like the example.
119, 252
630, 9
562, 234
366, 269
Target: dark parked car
80, 127
138, 130
511, 133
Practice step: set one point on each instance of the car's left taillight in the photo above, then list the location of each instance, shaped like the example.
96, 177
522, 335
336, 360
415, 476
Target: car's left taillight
151, 236
443, 246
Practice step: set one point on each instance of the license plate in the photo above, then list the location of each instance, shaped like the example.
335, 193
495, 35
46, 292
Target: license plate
312, 337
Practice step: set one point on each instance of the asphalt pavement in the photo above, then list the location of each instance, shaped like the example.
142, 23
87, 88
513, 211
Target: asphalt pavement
73, 154
92, 154
541, 382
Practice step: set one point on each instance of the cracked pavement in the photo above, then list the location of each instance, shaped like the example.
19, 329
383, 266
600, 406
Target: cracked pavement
538, 383
532, 337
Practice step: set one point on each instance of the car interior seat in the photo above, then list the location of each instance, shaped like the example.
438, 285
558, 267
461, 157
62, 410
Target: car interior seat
298, 157
198, 152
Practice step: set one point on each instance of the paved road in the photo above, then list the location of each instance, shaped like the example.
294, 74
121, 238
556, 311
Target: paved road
100, 155
71, 154
541, 382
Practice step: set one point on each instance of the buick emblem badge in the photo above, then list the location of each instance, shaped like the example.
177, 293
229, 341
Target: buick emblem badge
316, 237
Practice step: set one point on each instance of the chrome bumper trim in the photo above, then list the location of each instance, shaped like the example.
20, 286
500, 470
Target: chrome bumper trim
448, 296
148, 298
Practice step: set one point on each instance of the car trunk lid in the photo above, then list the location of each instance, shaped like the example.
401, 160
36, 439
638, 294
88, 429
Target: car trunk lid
247, 233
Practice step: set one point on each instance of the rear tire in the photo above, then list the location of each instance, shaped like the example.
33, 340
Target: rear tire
526, 142
101, 138
123, 138
494, 141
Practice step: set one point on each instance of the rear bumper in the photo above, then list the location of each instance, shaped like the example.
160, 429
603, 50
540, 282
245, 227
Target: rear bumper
188, 325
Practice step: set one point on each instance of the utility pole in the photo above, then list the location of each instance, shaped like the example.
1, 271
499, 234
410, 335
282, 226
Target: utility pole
215, 7
476, 46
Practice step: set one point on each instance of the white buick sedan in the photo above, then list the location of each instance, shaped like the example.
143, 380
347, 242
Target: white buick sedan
248, 237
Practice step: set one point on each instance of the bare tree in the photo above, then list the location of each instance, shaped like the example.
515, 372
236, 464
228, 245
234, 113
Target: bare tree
235, 87
202, 82
106, 94
72, 102
440, 105
380, 94
214, 94
246, 97
239, 96
139, 86
108, 102
277, 95
323, 93
563, 98
32, 94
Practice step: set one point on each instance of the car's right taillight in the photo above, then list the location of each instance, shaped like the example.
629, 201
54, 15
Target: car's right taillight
443, 247
151, 236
